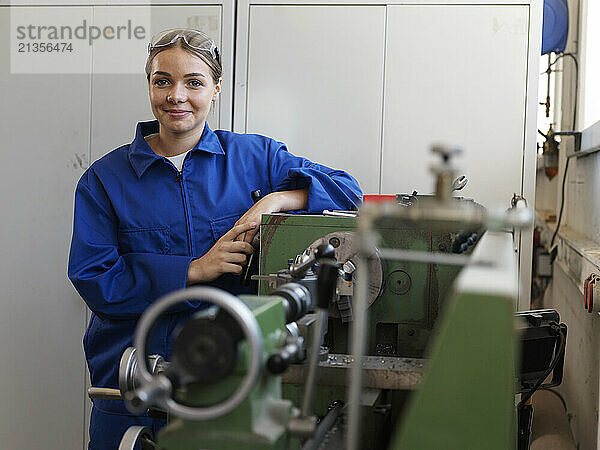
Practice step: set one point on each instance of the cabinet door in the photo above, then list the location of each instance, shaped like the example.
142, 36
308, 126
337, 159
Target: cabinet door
119, 100
44, 126
456, 74
314, 82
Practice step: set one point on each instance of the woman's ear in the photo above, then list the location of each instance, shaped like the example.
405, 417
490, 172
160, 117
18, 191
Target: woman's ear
217, 89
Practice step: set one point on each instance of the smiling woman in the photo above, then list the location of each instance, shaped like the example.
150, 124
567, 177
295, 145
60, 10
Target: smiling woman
174, 208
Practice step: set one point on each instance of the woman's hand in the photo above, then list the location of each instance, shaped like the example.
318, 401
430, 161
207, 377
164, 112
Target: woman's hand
226, 256
272, 203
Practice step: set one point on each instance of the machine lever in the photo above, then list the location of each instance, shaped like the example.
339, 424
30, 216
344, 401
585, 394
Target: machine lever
459, 183
151, 393
326, 284
323, 251
291, 353
247, 272
104, 393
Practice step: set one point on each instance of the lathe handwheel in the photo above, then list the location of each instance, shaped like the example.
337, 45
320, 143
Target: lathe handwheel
136, 435
240, 312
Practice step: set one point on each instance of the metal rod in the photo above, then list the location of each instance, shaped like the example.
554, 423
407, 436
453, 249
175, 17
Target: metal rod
433, 213
335, 213
448, 259
298, 270
358, 341
314, 362
104, 393
324, 426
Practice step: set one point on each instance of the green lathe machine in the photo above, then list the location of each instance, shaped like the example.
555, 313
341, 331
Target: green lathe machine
390, 328
404, 297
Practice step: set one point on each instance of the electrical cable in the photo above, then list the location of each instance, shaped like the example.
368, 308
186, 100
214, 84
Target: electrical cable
559, 353
562, 204
576, 85
557, 394
562, 201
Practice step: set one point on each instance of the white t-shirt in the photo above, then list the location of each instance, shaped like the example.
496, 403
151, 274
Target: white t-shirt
176, 160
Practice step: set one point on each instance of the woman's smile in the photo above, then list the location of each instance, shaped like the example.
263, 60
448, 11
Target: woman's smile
177, 113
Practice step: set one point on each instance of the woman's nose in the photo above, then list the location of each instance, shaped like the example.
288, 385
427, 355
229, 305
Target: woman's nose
177, 93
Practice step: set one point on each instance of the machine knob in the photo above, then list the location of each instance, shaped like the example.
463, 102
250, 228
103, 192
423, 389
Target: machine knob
324, 251
278, 362
251, 266
446, 152
281, 359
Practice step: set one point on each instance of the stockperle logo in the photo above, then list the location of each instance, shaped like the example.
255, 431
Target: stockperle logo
79, 39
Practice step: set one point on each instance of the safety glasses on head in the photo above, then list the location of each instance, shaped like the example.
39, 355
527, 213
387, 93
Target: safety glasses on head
193, 38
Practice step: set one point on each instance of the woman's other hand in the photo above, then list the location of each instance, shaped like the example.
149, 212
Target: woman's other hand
271, 203
228, 255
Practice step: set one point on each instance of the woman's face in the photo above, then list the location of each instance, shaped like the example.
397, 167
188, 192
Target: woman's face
181, 90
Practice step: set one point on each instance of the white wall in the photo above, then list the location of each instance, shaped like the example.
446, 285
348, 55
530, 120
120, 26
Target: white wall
582, 359
590, 63
42, 374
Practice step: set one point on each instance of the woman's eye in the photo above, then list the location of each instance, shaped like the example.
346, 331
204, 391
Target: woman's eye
195, 83
160, 82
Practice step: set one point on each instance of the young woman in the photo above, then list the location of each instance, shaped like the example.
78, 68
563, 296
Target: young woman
174, 208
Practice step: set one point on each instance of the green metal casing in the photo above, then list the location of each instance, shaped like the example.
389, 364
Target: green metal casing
466, 399
259, 423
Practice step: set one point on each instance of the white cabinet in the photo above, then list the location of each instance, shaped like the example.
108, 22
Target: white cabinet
457, 75
315, 83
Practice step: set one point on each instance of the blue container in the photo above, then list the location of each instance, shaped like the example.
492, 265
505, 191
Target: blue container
555, 27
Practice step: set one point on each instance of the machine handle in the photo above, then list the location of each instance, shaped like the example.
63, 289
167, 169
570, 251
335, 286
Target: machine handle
104, 393
250, 328
247, 272
281, 359
327, 275
278, 362
324, 251
326, 282
137, 435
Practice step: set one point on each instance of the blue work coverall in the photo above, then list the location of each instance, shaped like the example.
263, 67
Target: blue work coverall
139, 223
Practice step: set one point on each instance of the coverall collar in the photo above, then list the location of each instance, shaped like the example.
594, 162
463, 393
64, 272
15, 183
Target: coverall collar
141, 155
